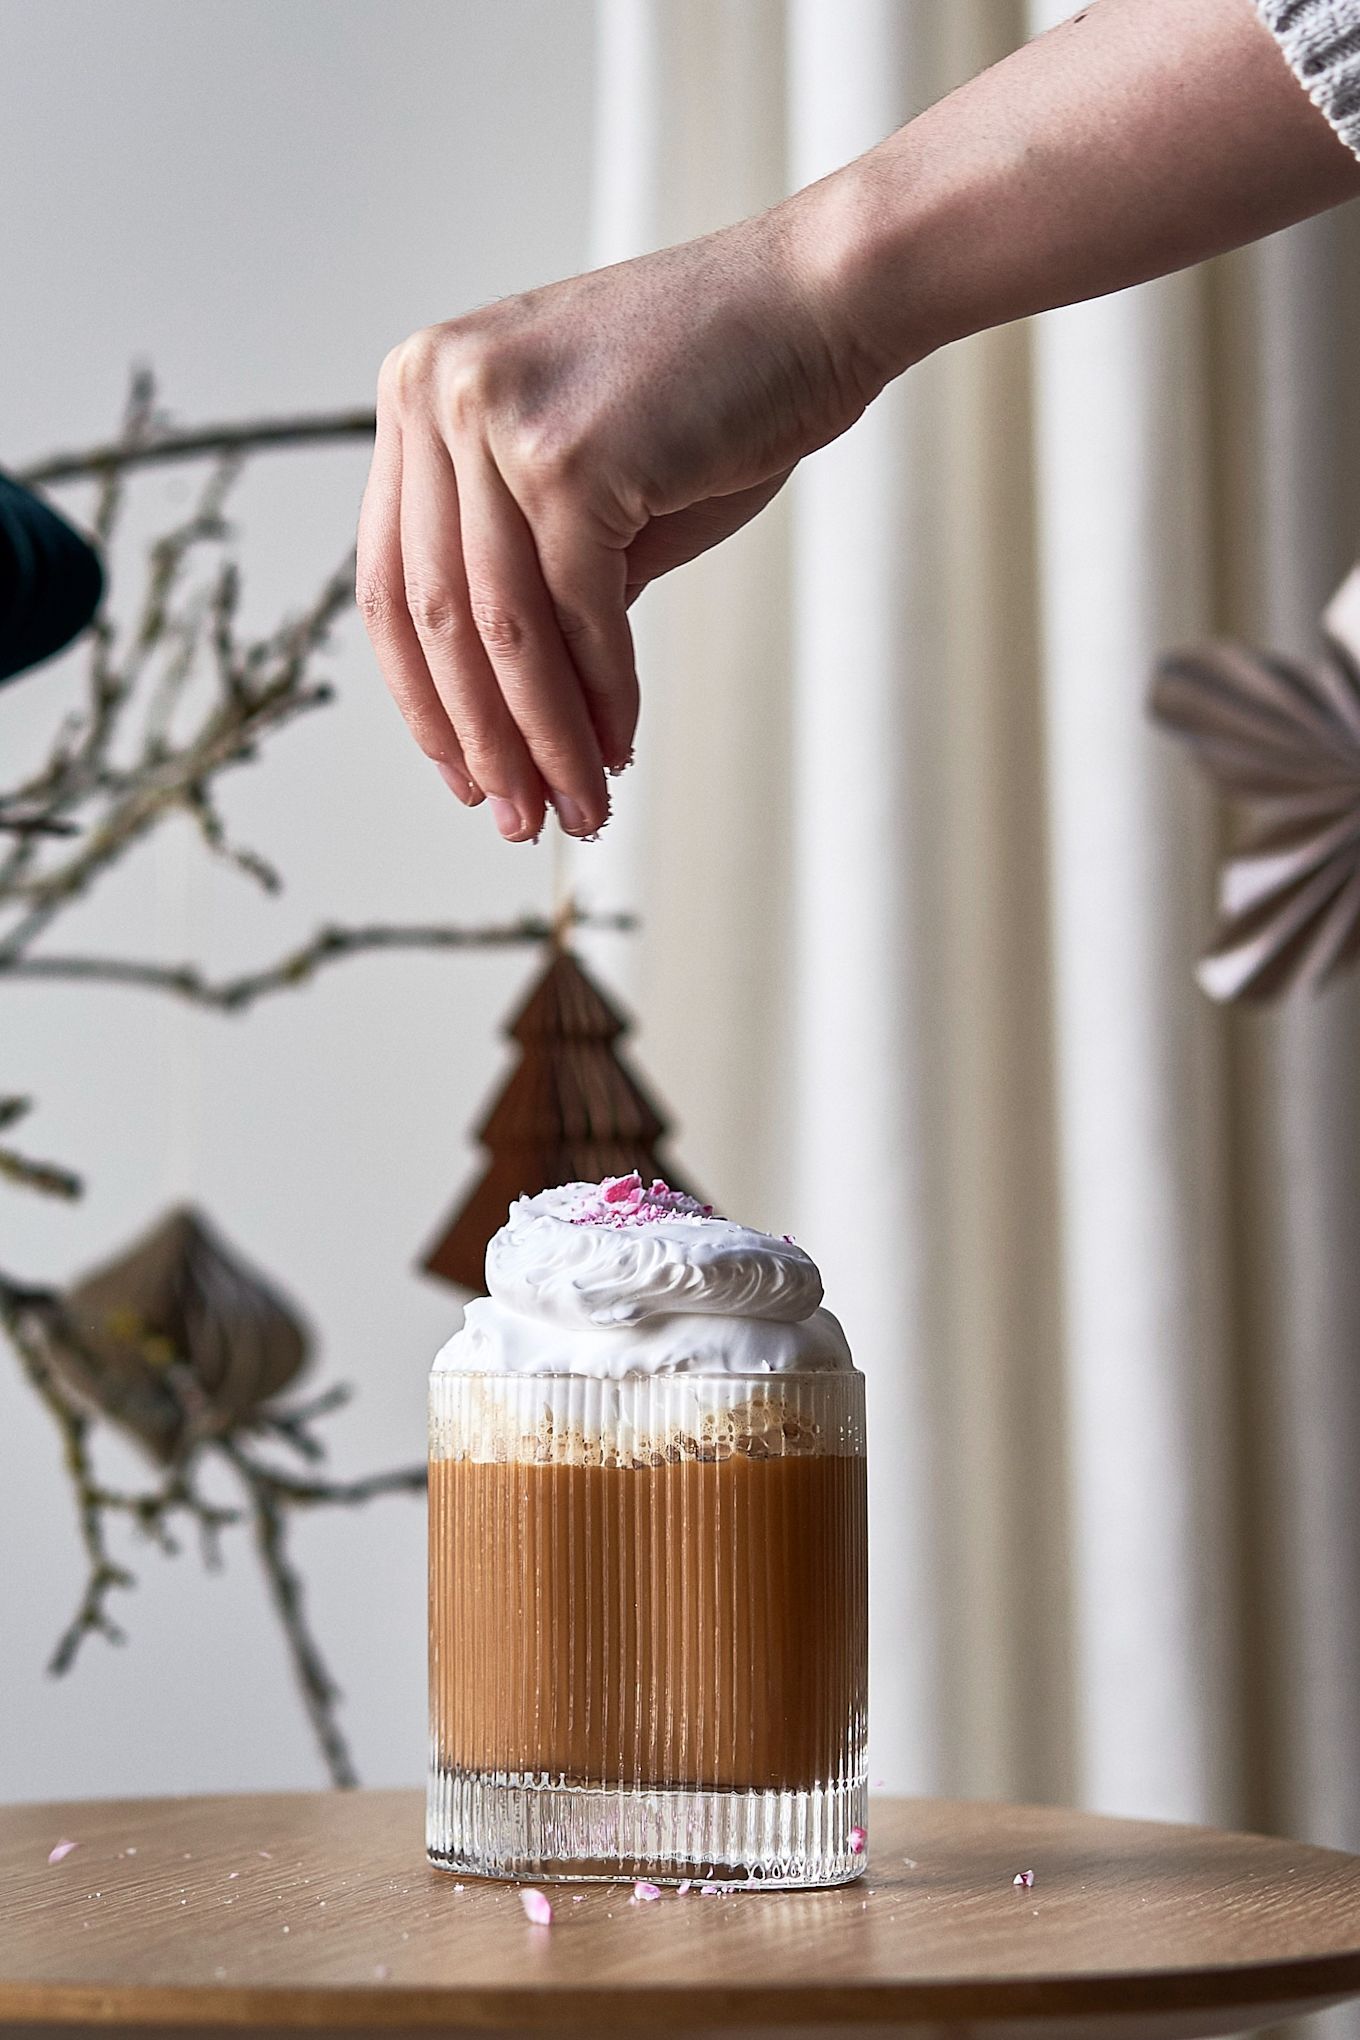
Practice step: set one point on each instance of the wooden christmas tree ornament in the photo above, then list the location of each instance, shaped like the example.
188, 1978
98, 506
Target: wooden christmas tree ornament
571, 1112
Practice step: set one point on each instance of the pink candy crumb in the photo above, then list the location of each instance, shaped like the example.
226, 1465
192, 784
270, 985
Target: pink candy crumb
685, 1884
859, 1841
625, 1201
537, 1910
644, 1893
1024, 1878
61, 1851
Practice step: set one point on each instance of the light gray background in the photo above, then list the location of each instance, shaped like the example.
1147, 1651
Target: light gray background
259, 198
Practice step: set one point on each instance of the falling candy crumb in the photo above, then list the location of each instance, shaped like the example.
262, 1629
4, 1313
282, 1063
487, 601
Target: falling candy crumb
858, 1841
683, 1886
644, 1893
62, 1851
537, 1910
1024, 1878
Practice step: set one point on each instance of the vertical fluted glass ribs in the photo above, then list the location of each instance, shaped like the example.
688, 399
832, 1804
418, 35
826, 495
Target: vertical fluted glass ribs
648, 1622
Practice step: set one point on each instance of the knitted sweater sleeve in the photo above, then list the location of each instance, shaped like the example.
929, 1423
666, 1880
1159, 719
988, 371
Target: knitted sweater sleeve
1321, 43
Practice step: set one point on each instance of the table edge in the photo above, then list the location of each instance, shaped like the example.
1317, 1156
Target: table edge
1254, 1987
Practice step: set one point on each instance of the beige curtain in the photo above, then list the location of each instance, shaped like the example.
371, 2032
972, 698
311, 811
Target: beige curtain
922, 892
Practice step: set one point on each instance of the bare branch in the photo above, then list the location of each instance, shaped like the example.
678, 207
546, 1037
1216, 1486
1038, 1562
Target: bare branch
176, 697
34, 825
213, 830
346, 1494
254, 436
19, 1310
328, 945
147, 796
292, 1426
48, 1178
320, 1694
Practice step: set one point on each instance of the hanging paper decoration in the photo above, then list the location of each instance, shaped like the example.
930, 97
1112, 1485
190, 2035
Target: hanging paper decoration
178, 1339
571, 1112
1283, 737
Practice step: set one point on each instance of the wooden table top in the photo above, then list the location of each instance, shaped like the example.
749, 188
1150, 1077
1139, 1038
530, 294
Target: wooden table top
301, 1912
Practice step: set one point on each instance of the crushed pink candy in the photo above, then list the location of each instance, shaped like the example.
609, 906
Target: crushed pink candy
61, 1851
859, 1841
1024, 1878
685, 1884
621, 1201
644, 1893
537, 1909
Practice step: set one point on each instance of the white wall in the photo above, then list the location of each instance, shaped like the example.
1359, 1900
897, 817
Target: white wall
259, 198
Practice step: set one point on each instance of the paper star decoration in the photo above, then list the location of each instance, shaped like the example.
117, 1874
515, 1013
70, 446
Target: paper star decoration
1282, 738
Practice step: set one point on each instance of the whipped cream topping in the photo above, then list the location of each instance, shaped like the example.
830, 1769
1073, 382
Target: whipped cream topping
614, 1278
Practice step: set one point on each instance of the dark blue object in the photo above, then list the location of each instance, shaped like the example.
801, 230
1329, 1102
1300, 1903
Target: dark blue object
50, 580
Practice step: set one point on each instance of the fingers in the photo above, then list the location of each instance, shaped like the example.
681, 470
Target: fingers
380, 592
520, 633
585, 579
501, 626
436, 593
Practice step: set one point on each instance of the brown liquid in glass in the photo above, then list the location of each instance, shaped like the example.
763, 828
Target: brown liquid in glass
694, 1624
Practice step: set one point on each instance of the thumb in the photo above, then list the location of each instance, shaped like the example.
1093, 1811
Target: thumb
680, 535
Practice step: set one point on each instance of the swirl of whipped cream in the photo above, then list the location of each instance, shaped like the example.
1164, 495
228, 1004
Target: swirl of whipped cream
495, 1340
615, 1254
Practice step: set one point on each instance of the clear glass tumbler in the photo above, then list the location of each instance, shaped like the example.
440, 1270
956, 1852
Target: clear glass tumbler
648, 1626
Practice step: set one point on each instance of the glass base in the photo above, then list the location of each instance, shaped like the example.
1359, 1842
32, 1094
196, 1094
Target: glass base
540, 1831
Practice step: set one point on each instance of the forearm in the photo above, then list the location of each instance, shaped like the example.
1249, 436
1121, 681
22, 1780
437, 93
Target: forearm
1134, 139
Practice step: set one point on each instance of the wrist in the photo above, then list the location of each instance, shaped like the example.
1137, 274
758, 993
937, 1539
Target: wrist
863, 241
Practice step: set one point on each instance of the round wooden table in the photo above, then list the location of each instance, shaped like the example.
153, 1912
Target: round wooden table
318, 1912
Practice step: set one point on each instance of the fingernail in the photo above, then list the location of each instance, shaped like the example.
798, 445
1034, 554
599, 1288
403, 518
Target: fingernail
458, 783
569, 814
508, 819
620, 766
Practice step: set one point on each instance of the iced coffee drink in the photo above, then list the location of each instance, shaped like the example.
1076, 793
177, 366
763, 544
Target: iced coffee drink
647, 1554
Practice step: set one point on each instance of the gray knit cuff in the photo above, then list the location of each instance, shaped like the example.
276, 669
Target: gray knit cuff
1321, 43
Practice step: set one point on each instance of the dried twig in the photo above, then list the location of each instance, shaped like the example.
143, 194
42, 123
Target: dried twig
49, 1179
320, 1693
20, 1307
26, 1313
328, 945
46, 1177
175, 698
255, 436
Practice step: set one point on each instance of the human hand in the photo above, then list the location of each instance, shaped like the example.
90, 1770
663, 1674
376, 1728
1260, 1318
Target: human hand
539, 461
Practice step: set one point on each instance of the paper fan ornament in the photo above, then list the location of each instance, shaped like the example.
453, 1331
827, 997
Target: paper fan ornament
1281, 736
177, 1339
571, 1111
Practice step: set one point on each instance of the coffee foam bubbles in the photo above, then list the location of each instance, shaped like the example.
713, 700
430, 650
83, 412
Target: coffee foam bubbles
611, 1280
642, 1420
